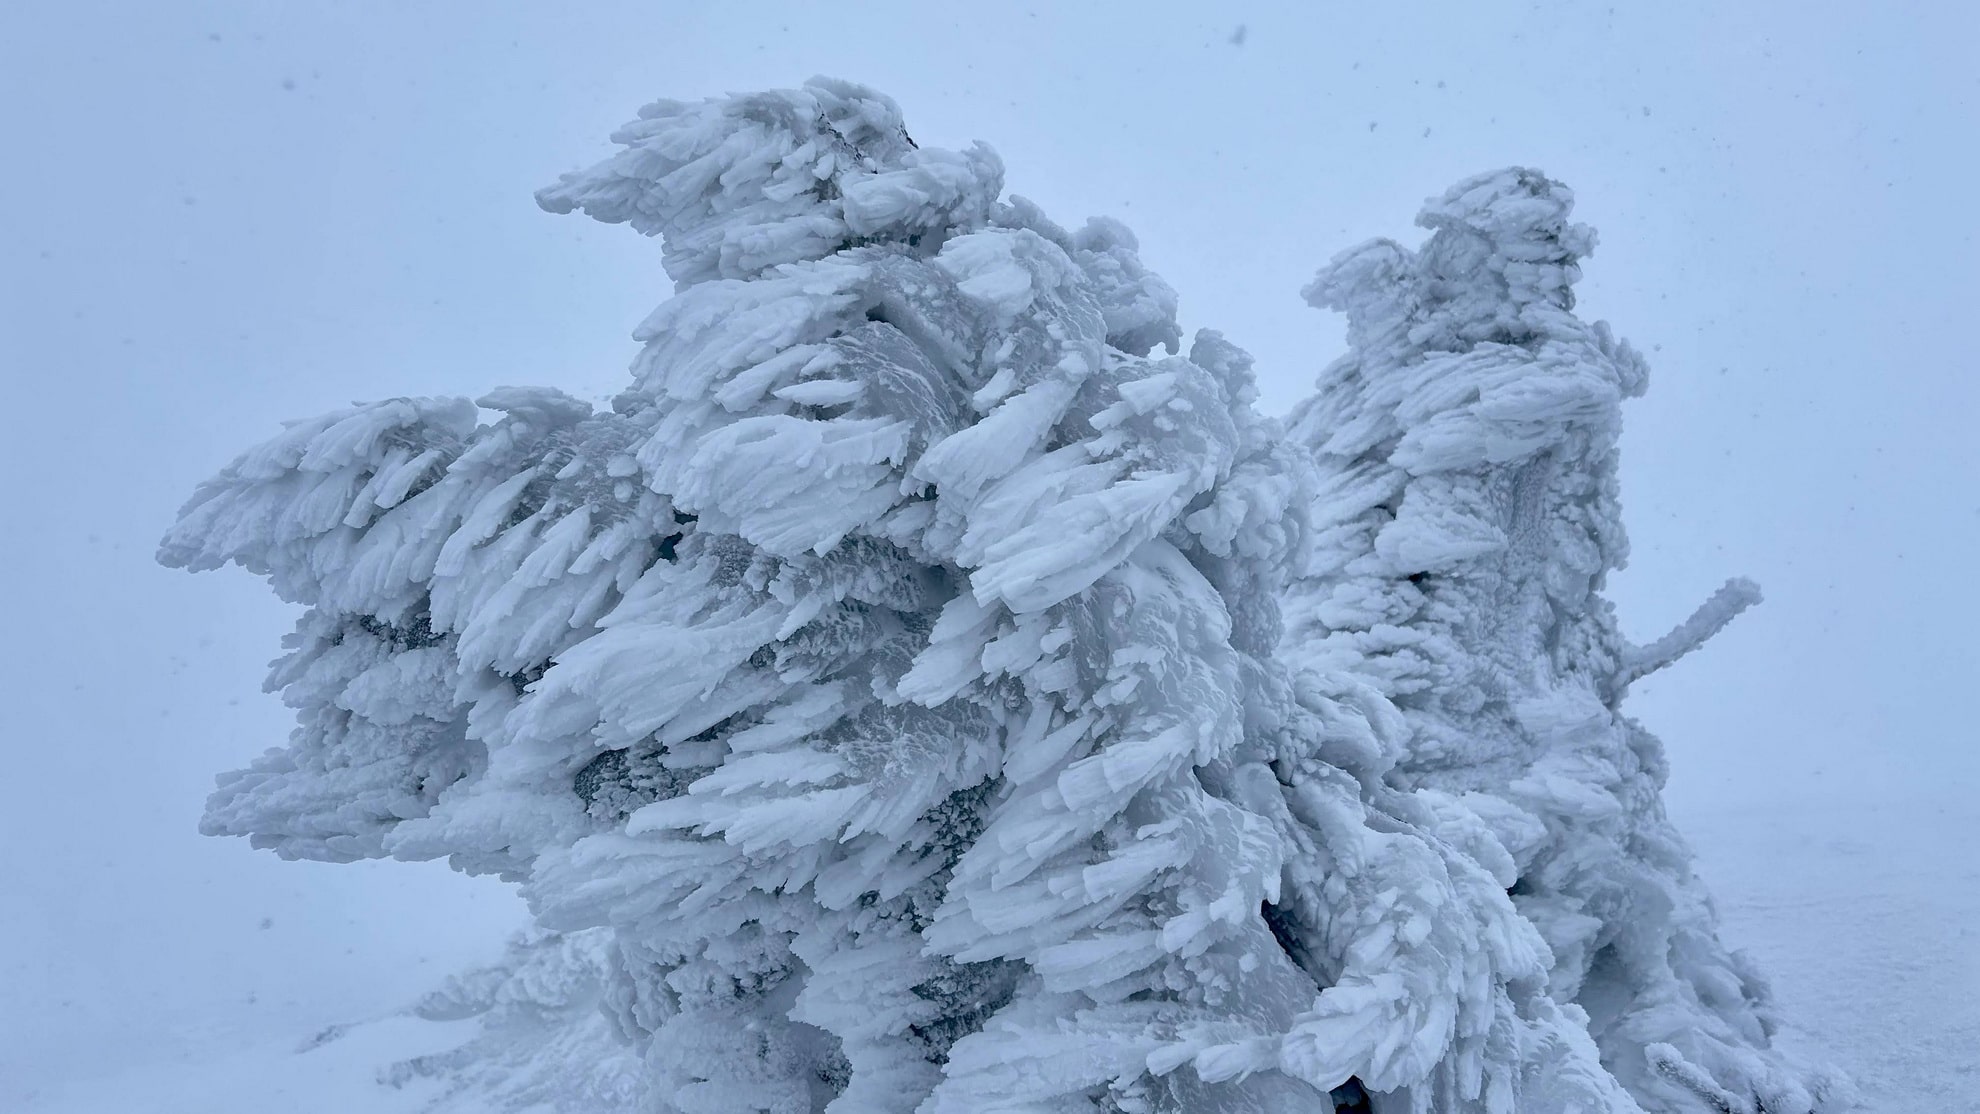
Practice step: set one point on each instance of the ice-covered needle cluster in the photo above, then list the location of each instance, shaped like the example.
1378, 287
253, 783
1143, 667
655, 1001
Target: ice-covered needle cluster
884, 706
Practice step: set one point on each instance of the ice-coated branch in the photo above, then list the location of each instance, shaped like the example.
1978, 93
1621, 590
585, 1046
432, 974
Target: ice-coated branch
1668, 1062
1733, 597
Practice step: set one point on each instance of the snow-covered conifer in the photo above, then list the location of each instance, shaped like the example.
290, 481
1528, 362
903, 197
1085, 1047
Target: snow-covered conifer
889, 672
881, 704
1465, 516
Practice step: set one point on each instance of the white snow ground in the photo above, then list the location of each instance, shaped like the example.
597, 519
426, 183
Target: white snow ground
1866, 914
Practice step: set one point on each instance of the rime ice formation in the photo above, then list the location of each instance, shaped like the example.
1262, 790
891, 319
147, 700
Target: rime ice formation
881, 705
1465, 516
543, 1040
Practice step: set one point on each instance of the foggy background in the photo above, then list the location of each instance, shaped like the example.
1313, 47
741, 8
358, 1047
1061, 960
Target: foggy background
219, 216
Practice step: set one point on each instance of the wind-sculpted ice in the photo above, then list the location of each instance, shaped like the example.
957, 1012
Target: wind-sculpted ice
1465, 517
542, 1042
883, 697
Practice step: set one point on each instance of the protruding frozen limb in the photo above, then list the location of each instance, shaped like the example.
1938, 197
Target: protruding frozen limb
1733, 597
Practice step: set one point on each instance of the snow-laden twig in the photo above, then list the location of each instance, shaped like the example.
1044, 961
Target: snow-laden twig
1668, 1062
1733, 597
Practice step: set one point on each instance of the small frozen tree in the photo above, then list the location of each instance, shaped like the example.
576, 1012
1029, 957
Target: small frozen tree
542, 1039
1465, 518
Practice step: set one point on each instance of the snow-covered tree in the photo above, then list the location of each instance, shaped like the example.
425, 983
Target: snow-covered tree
1465, 517
881, 704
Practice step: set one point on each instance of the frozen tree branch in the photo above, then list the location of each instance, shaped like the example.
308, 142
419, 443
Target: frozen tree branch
1712, 616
